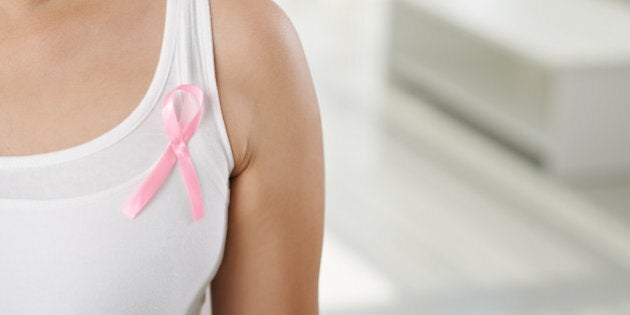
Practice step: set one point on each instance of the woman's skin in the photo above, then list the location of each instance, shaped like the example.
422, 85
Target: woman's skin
53, 55
274, 240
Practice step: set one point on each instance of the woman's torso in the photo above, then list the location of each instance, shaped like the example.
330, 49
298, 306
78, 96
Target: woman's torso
81, 112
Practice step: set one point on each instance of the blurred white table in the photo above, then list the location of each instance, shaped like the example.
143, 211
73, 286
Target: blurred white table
549, 77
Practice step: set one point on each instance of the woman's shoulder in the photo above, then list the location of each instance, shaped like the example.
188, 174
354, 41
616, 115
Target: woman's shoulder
275, 226
262, 75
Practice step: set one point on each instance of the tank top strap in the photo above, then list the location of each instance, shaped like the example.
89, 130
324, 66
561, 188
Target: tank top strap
195, 63
194, 54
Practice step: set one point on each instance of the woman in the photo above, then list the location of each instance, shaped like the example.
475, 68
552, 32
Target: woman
85, 86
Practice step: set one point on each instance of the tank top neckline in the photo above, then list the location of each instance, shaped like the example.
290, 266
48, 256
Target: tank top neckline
124, 127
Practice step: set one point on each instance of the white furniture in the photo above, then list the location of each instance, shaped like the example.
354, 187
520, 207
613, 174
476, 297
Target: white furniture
550, 77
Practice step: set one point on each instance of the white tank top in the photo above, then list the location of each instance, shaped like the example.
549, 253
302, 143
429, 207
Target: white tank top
65, 245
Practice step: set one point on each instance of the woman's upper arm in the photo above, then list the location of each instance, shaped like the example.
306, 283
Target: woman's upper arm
275, 226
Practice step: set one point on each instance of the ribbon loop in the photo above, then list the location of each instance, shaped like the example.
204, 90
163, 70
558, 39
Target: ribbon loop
177, 151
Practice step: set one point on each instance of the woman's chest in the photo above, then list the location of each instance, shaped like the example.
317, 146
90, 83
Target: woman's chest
75, 74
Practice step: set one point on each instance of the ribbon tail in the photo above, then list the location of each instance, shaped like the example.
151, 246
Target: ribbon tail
192, 184
151, 185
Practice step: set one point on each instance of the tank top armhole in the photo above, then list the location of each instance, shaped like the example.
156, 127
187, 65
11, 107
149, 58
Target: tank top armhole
204, 24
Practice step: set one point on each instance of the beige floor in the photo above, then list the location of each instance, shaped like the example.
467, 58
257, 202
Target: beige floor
426, 216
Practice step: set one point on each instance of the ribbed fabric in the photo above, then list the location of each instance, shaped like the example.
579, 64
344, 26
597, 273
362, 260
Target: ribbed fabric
65, 245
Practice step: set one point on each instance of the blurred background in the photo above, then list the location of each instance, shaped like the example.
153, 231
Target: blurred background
477, 154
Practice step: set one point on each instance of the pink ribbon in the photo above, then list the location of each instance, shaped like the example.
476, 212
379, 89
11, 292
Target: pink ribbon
176, 151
